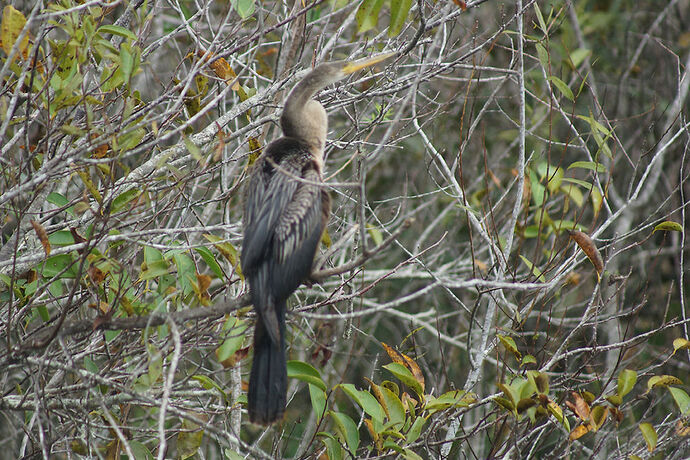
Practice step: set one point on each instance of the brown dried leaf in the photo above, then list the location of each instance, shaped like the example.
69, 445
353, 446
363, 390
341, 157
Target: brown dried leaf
589, 248
221, 68
42, 236
96, 275
579, 407
235, 358
682, 429
101, 150
461, 4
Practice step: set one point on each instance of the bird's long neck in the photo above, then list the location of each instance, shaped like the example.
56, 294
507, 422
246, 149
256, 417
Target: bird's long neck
304, 118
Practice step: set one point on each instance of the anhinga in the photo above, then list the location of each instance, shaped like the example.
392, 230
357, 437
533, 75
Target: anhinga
285, 212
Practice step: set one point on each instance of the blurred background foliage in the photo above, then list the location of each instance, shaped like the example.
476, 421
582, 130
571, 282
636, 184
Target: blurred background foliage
511, 186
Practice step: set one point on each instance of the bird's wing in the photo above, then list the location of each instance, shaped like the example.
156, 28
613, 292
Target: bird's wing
268, 193
298, 232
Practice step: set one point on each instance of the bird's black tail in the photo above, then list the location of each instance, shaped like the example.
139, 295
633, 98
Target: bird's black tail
268, 379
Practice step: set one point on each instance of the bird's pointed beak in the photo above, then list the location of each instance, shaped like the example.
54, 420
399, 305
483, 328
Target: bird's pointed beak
354, 66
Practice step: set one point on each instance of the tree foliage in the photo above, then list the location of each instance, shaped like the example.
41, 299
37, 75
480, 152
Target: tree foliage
503, 275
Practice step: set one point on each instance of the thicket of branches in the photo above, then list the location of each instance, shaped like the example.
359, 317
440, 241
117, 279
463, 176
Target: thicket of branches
502, 275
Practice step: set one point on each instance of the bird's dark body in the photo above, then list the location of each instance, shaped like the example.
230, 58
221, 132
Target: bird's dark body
286, 210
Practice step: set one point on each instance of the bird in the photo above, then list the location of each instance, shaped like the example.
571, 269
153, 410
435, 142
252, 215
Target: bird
286, 208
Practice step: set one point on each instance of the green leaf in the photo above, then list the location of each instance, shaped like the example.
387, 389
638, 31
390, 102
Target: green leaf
591, 165
305, 372
90, 365
543, 55
509, 344
581, 183
155, 264
601, 143
126, 61
130, 139
210, 261
574, 194
72, 130
540, 380
649, 435
410, 455
616, 400
43, 313
533, 268
669, 226
396, 411
244, 8
528, 359
375, 234
117, 30
55, 264
193, 149
416, 429
456, 398
682, 399
540, 18
236, 330
333, 449
555, 179
365, 400
626, 381
155, 367
399, 11
595, 125
368, 15
140, 451
232, 455
562, 87
186, 272
505, 403
318, 400
578, 56
57, 199
189, 439
61, 238
538, 190
227, 250
206, 382
347, 429
406, 377
120, 201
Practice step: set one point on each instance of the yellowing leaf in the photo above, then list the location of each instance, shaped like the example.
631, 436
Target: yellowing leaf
649, 435
626, 381
669, 226
681, 344
11, 26
663, 381
533, 268
578, 432
509, 344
